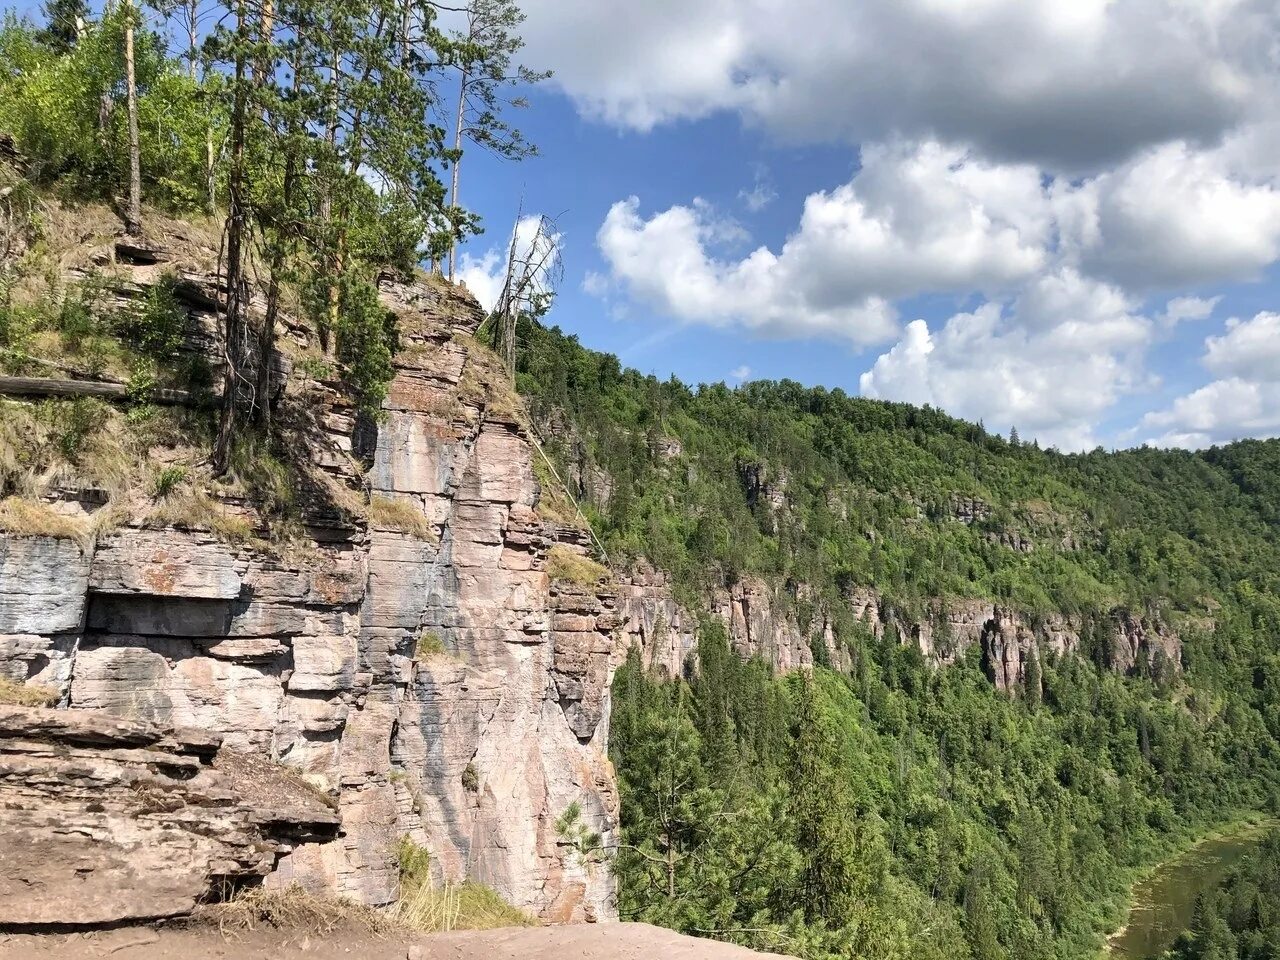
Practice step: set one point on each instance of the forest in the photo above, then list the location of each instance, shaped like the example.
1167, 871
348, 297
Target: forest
899, 810
1241, 919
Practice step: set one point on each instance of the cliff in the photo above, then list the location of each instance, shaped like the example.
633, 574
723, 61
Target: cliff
422, 639
406, 651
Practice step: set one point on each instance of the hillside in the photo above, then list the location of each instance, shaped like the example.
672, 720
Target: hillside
1106, 622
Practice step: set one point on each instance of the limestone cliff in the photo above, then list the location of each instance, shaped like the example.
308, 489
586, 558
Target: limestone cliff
409, 654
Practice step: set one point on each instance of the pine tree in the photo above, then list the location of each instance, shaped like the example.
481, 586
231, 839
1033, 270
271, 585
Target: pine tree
65, 24
838, 868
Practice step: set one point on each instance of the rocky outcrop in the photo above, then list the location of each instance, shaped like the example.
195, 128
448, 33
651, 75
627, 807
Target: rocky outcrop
429, 675
109, 820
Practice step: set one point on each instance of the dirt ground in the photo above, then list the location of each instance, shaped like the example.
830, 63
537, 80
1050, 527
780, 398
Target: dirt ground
605, 941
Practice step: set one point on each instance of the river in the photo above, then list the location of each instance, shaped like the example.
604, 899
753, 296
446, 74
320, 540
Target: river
1164, 901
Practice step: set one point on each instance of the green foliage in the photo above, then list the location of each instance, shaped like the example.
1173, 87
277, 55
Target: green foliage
64, 105
865, 495
167, 480
429, 645
919, 813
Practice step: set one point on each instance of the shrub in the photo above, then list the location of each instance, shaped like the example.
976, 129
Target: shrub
167, 480
470, 779
429, 645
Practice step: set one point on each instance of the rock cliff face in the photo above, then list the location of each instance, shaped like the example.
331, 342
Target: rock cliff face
762, 623
410, 656
108, 819
419, 666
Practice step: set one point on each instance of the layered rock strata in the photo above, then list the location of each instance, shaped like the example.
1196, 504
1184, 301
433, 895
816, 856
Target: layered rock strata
108, 819
427, 674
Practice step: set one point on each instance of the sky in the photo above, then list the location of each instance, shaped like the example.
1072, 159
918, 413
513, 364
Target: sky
1059, 217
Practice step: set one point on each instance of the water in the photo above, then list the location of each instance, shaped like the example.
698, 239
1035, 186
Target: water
1163, 903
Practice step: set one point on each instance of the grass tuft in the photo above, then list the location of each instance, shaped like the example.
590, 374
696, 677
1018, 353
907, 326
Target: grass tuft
13, 694
35, 518
196, 510
430, 645
395, 514
452, 906
563, 564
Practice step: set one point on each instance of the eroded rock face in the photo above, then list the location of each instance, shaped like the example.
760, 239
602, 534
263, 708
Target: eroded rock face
436, 682
109, 820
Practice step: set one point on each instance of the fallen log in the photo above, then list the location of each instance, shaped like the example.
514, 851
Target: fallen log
108, 390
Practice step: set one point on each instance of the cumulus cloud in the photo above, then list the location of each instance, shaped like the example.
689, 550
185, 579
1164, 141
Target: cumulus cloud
1249, 349
1050, 362
740, 373
1180, 309
484, 274
1072, 86
1174, 216
914, 219
1243, 402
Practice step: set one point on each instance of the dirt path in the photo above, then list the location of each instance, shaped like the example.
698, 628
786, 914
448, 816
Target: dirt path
605, 941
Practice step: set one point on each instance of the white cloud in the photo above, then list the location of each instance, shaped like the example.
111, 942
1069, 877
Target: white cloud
1174, 216
761, 193
1070, 85
1051, 363
740, 373
483, 275
1220, 412
1249, 349
595, 284
1244, 402
913, 219
1180, 309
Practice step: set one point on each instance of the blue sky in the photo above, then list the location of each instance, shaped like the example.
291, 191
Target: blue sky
1060, 217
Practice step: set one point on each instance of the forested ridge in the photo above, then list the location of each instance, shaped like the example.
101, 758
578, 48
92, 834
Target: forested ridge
895, 809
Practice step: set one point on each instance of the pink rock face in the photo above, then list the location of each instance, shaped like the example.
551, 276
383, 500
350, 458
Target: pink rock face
110, 820
443, 689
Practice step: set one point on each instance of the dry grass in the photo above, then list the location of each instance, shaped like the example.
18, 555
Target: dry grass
454, 906
14, 694
422, 908
564, 564
553, 502
485, 381
391, 513
195, 510
35, 518
294, 908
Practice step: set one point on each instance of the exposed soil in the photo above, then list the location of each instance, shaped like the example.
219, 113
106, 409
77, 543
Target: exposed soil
605, 941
